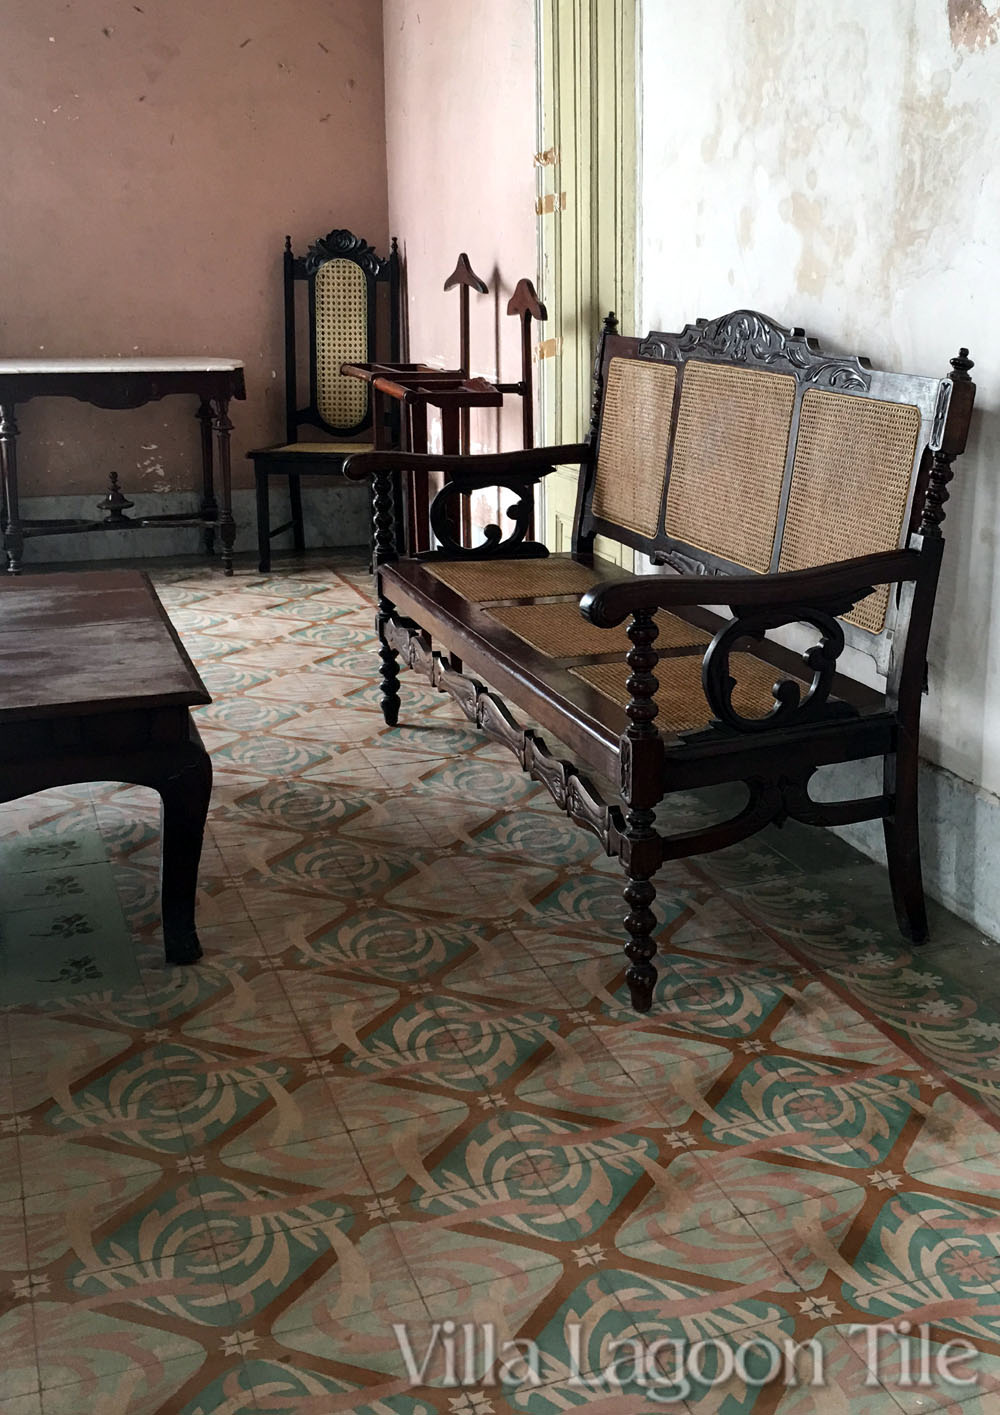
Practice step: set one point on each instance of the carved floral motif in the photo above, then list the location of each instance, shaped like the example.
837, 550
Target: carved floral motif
343, 244
745, 336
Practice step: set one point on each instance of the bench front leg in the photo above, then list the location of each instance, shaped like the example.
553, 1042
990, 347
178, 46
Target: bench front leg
641, 772
388, 663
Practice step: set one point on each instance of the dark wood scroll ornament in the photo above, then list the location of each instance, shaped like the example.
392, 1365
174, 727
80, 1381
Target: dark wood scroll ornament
570, 790
341, 243
749, 337
443, 520
790, 708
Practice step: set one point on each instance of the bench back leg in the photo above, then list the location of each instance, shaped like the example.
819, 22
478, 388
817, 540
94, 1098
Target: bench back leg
902, 840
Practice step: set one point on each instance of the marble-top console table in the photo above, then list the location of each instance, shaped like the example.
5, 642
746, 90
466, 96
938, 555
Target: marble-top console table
124, 383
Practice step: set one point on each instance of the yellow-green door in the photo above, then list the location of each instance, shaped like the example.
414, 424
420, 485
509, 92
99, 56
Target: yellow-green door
586, 214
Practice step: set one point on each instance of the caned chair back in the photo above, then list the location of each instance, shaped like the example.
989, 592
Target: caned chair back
739, 446
341, 273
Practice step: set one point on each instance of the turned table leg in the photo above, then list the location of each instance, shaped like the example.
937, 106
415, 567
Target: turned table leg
209, 506
13, 540
227, 526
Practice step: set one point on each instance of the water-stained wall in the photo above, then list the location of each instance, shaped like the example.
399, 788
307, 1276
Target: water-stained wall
835, 166
154, 155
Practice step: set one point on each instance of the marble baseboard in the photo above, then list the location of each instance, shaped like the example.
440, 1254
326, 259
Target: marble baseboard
959, 836
333, 516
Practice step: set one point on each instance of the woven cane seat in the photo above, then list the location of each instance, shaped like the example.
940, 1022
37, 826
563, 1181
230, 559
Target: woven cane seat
483, 581
680, 699
341, 331
559, 630
635, 434
730, 448
872, 445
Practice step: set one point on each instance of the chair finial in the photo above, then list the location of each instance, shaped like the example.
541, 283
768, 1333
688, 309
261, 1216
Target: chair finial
288, 245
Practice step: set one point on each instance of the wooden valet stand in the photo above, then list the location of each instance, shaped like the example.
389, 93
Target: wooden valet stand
453, 392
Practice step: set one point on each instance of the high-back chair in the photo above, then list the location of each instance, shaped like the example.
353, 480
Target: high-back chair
341, 274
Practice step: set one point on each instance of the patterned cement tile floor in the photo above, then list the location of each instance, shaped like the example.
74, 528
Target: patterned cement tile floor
404, 1088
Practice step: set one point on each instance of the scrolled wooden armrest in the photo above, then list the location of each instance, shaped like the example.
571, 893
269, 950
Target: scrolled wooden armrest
536, 459
844, 580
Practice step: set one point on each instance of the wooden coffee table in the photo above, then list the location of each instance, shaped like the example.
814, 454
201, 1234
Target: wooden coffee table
95, 685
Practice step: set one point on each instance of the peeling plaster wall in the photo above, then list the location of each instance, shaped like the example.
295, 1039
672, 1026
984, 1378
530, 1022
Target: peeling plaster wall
154, 156
460, 132
835, 166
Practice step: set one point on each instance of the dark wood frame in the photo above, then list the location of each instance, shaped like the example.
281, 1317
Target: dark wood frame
273, 461
836, 720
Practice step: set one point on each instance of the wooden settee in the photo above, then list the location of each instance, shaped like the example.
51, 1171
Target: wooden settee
775, 485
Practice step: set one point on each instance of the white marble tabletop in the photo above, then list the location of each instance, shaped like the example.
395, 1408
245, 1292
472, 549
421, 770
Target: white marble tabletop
189, 364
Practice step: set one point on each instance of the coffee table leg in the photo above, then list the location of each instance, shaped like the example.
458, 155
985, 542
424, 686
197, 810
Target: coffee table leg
185, 789
227, 526
13, 540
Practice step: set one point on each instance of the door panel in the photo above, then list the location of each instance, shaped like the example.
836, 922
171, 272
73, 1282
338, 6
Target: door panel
586, 213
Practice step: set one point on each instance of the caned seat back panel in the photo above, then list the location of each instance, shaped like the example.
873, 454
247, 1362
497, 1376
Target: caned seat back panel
728, 463
635, 435
850, 486
341, 336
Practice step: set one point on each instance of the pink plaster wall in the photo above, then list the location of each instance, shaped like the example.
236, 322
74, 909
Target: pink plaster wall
460, 135
153, 157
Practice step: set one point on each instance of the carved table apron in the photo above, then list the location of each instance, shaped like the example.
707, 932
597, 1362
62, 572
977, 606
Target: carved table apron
123, 383
96, 686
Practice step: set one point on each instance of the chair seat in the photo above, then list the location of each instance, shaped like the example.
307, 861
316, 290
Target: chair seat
313, 449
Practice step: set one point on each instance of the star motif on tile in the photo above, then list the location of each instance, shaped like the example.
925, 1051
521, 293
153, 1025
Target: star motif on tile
238, 1343
589, 1255
504, 924
872, 957
679, 1139
972, 1268
493, 1101
938, 1007
753, 1046
872, 936
189, 1163
931, 1081
15, 1124
979, 1028
583, 1019
368, 901
381, 1208
156, 1034
924, 980
819, 1308
419, 989
29, 1287
471, 1403
319, 1068
884, 1179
